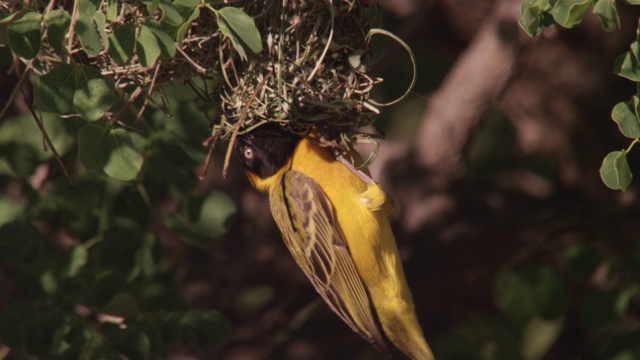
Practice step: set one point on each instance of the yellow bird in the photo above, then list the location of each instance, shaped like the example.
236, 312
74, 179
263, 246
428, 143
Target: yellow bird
333, 219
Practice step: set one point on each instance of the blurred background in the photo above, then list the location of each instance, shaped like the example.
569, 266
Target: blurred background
512, 245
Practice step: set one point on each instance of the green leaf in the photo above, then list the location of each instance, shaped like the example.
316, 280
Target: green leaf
216, 214
48, 282
208, 327
58, 22
626, 65
112, 10
145, 260
122, 43
549, 292
86, 28
24, 130
569, 13
531, 292
226, 30
632, 2
122, 304
88, 7
24, 33
608, 14
625, 115
100, 21
621, 306
539, 335
94, 93
510, 290
204, 218
187, 3
147, 46
241, 29
123, 161
19, 242
635, 49
92, 144
18, 160
583, 260
10, 210
170, 15
55, 89
530, 18
88, 35
77, 259
152, 5
130, 341
182, 30
165, 42
615, 171
4, 27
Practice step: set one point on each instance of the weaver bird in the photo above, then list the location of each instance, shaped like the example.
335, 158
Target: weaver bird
333, 219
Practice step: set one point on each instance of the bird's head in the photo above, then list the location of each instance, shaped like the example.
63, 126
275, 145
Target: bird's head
265, 152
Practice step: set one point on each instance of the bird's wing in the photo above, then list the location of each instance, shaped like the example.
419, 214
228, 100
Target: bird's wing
308, 224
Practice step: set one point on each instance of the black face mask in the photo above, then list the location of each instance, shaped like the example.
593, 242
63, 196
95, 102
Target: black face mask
266, 149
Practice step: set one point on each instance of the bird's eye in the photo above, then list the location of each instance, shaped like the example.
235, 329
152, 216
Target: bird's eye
248, 153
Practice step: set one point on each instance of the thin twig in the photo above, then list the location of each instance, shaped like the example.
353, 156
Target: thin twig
47, 139
198, 68
223, 66
133, 96
71, 34
329, 40
146, 100
14, 93
211, 142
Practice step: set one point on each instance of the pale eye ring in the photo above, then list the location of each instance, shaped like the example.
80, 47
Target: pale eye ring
248, 153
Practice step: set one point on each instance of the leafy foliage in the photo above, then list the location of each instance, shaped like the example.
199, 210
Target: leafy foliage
235, 25
83, 272
537, 14
589, 288
98, 255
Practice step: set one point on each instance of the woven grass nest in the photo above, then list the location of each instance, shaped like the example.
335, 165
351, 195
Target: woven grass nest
311, 74
304, 74
311, 70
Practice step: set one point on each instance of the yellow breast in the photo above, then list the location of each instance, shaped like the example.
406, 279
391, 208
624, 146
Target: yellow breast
360, 209
368, 234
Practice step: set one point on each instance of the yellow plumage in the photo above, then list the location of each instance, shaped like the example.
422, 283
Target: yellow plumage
335, 226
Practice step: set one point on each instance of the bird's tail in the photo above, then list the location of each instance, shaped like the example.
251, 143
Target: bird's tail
404, 331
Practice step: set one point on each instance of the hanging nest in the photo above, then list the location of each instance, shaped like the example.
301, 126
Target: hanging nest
310, 74
311, 71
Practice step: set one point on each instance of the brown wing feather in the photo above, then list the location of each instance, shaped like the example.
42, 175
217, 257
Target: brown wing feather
308, 224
